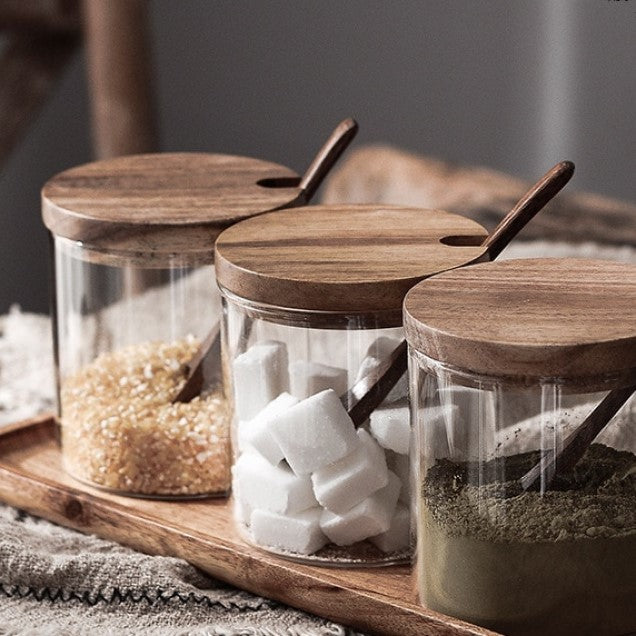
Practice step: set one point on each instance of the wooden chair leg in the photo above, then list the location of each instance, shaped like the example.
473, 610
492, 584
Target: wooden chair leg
119, 77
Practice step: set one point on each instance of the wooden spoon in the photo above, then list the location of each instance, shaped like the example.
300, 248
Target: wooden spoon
327, 156
324, 160
375, 386
552, 464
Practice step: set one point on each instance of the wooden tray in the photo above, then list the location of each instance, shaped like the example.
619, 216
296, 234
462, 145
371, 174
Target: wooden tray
375, 600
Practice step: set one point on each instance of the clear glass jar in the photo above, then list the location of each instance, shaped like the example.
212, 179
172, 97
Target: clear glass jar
312, 329
137, 314
524, 524
307, 484
516, 561
127, 325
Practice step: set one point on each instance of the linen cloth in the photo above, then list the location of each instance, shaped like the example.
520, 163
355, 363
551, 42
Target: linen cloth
58, 581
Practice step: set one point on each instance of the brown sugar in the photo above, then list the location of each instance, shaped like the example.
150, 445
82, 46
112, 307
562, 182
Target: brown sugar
121, 432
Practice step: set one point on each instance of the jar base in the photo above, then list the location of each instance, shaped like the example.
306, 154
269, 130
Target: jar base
362, 554
152, 496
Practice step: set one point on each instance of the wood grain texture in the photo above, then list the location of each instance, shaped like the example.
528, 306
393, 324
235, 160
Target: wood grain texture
355, 258
376, 600
119, 77
553, 318
382, 174
162, 202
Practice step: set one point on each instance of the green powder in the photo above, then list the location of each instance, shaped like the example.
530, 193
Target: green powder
562, 562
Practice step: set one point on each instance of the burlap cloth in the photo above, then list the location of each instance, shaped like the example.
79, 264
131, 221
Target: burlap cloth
57, 581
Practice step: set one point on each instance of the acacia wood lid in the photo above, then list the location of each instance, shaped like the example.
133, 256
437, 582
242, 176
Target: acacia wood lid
165, 202
536, 318
348, 259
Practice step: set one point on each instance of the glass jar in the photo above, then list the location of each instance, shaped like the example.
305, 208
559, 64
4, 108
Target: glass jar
525, 525
316, 358
134, 306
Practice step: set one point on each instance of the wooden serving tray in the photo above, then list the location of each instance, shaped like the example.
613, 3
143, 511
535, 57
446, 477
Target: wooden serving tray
374, 600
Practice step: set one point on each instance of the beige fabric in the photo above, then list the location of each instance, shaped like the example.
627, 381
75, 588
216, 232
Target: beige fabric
55, 581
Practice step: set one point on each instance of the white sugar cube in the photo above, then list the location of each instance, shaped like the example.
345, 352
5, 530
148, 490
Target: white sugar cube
345, 483
315, 432
307, 378
378, 351
242, 510
274, 488
299, 532
260, 374
397, 536
369, 518
391, 427
401, 466
256, 433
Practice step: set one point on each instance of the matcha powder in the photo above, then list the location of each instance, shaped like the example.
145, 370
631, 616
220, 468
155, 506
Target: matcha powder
597, 499
559, 563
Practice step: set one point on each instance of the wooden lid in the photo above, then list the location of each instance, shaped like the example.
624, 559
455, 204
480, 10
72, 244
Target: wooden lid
164, 202
355, 258
536, 318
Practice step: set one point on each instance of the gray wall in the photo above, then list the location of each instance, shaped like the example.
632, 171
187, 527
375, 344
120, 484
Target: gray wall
512, 85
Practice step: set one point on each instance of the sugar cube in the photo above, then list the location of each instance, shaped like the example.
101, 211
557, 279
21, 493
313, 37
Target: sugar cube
390, 425
299, 532
242, 510
401, 466
307, 378
274, 488
315, 432
398, 534
260, 374
370, 517
256, 433
378, 351
345, 483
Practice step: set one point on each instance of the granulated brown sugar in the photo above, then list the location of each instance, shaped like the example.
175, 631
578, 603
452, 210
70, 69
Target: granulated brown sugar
523, 563
120, 430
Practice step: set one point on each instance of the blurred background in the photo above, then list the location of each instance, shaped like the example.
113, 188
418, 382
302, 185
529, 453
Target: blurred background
514, 86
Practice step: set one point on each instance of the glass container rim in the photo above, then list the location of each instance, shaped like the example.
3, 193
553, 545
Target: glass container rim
315, 319
571, 385
151, 259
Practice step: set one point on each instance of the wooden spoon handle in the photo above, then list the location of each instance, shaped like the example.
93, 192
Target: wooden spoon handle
327, 156
553, 463
194, 371
531, 202
375, 386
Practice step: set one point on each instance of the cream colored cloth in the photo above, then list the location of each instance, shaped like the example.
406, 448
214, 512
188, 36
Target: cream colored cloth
56, 581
